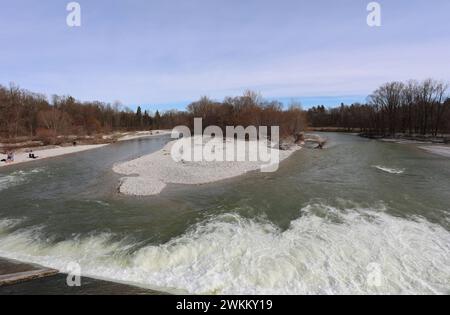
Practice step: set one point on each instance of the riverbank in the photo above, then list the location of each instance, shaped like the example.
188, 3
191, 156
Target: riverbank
21, 152
407, 138
144, 134
439, 150
430, 144
155, 171
23, 155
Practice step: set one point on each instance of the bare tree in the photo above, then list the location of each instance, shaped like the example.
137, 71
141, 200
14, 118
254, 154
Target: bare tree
54, 120
389, 98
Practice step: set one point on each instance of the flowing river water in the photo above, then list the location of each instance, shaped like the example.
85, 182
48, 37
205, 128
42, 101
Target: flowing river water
361, 216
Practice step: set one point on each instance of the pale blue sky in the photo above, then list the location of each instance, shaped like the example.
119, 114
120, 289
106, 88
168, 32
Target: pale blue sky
167, 53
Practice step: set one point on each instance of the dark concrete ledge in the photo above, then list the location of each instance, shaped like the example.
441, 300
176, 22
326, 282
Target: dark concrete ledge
17, 278
12, 272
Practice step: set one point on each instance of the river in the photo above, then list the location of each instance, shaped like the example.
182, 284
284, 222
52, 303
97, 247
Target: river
361, 216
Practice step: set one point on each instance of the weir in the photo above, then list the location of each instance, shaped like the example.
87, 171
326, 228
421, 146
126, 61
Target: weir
18, 278
12, 272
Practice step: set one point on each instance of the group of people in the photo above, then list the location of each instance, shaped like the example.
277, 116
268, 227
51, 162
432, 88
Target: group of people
9, 157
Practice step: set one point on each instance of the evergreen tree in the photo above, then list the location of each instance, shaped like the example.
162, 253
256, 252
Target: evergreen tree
157, 120
139, 118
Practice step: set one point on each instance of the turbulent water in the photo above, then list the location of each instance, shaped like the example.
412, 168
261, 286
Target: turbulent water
359, 217
17, 178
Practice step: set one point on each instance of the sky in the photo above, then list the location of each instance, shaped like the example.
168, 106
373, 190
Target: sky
163, 54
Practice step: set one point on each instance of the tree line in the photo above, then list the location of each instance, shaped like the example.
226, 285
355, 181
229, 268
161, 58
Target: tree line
32, 115
250, 109
396, 107
27, 114
412, 107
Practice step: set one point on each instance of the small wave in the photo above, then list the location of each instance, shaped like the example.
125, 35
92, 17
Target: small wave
325, 251
17, 177
102, 203
7, 224
389, 170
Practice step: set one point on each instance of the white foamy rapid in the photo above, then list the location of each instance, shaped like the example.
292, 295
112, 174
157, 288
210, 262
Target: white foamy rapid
16, 178
389, 170
325, 251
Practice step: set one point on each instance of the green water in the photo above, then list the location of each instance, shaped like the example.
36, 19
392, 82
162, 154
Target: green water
313, 227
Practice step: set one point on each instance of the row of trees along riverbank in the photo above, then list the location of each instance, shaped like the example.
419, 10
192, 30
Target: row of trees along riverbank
28, 115
410, 108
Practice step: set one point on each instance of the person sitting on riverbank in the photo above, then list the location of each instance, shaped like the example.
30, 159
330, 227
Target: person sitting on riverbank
10, 157
31, 155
